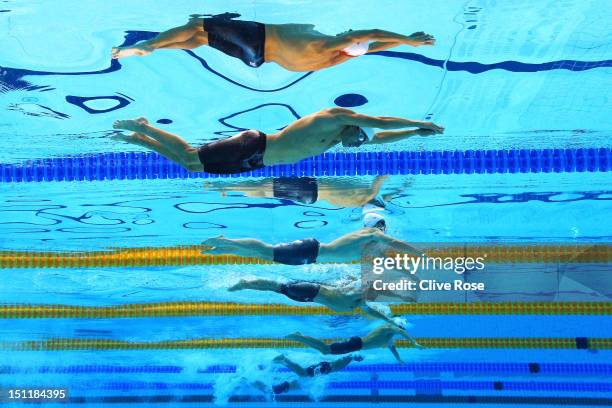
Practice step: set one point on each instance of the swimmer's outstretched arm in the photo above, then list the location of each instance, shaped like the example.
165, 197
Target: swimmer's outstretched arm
382, 36
348, 117
395, 353
399, 246
398, 135
407, 336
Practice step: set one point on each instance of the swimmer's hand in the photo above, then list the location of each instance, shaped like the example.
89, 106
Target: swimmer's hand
418, 345
357, 357
420, 38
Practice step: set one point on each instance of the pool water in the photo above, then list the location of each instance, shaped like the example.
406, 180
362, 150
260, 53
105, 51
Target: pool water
503, 76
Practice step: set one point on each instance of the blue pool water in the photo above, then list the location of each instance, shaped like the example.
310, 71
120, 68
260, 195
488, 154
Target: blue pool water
527, 81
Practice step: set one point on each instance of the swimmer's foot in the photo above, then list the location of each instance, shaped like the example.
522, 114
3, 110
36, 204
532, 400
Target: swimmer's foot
429, 126
281, 358
297, 336
135, 125
217, 245
242, 284
123, 137
140, 49
420, 38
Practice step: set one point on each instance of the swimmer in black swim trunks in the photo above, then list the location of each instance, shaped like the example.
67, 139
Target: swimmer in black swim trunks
322, 368
339, 299
382, 336
251, 149
349, 247
295, 47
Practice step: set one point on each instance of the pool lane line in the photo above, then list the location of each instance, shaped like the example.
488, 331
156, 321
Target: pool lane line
183, 309
148, 165
344, 398
503, 368
419, 385
546, 253
63, 344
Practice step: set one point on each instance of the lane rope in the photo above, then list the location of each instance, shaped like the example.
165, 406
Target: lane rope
59, 344
190, 255
170, 309
148, 165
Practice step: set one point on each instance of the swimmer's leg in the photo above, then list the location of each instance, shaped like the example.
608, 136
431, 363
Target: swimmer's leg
178, 149
241, 247
194, 42
194, 29
263, 285
310, 341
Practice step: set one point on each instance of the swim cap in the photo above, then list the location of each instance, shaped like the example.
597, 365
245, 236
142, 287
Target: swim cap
375, 220
357, 49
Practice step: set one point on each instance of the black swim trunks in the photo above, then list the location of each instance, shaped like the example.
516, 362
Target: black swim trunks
244, 40
344, 347
319, 369
300, 291
301, 189
236, 154
299, 252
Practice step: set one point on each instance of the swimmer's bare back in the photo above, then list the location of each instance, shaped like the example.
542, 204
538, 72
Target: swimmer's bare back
316, 133
299, 47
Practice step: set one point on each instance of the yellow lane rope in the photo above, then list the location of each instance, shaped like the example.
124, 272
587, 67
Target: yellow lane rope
58, 344
169, 309
190, 255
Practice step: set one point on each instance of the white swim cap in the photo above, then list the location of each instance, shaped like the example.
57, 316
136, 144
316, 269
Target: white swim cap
357, 49
375, 220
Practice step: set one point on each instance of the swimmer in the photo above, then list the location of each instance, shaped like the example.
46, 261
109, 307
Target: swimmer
350, 247
252, 149
382, 336
322, 368
339, 299
347, 192
295, 47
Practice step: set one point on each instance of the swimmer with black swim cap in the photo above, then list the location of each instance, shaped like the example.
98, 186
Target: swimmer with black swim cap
295, 47
308, 136
381, 337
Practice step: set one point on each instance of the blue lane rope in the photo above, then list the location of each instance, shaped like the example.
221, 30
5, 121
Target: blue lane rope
141, 165
505, 368
420, 385
510, 400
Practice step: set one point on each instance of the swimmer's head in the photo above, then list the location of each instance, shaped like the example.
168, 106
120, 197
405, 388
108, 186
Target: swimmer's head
354, 136
375, 220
